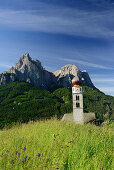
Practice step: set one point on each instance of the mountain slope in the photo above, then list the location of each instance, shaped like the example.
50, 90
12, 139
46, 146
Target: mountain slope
94, 101
22, 102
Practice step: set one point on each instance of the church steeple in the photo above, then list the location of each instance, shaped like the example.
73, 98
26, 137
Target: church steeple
77, 94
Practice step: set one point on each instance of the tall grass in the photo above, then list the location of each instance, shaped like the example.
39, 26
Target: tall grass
56, 145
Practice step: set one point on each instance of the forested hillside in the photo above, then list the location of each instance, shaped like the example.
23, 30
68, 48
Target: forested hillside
22, 102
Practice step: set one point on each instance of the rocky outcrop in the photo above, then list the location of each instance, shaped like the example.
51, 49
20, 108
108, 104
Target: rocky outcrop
7, 78
32, 71
68, 72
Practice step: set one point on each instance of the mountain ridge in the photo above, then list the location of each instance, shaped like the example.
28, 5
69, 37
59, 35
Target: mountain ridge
33, 72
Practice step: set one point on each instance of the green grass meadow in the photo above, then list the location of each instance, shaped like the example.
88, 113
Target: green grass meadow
53, 144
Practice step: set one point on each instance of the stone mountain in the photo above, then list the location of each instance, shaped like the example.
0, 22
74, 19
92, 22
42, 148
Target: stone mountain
32, 71
68, 72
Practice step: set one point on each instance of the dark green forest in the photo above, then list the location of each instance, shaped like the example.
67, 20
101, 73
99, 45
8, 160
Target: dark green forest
22, 102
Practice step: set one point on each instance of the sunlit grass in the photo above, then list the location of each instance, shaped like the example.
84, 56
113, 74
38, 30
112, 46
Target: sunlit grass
54, 144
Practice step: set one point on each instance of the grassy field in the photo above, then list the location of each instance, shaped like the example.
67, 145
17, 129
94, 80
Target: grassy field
56, 145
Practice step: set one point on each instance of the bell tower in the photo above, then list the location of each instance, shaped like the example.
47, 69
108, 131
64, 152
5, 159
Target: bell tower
77, 95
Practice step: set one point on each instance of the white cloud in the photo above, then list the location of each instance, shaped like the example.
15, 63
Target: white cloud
107, 89
5, 65
60, 20
103, 79
85, 63
106, 80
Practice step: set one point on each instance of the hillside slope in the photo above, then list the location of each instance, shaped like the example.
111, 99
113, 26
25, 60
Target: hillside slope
54, 145
94, 101
21, 102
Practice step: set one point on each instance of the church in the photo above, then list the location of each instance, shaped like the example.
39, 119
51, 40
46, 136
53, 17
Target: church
78, 116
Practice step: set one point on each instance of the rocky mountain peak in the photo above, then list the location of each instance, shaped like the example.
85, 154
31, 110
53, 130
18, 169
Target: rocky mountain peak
26, 56
67, 70
24, 60
31, 71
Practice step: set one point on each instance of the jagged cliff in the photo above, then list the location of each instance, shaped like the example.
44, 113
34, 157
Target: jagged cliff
32, 71
68, 72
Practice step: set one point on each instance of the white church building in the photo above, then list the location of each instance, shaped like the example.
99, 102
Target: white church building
78, 116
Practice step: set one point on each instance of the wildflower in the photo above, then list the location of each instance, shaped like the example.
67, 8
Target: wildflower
12, 162
19, 154
24, 148
42, 155
39, 154
26, 156
16, 152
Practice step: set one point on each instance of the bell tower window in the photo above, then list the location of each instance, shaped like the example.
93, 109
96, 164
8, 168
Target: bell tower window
77, 97
77, 104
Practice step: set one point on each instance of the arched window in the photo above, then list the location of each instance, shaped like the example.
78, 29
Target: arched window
77, 97
77, 104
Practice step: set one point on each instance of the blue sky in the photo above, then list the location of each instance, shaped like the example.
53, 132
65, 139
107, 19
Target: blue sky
60, 32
